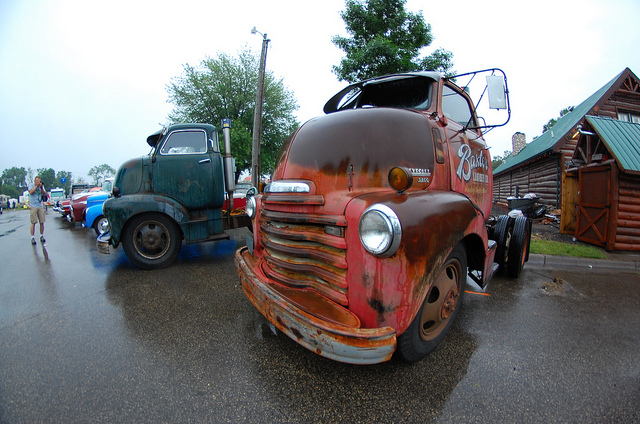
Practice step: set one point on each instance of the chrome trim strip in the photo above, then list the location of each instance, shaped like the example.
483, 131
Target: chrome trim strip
287, 187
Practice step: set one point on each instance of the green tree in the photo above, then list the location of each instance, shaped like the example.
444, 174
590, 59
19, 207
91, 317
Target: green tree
552, 122
68, 177
100, 172
225, 87
48, 177
497, 160
385, 39
15, 177
10, 191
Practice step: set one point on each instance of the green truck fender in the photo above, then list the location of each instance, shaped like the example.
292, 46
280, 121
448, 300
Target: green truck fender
119, 210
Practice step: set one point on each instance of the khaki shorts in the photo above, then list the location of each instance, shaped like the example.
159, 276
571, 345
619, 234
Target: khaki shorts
37, 214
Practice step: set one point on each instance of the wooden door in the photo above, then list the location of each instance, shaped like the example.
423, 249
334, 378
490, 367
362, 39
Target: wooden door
570, 202
594, 205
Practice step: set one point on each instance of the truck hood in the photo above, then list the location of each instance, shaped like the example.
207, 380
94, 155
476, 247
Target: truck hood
129, 176
353, 150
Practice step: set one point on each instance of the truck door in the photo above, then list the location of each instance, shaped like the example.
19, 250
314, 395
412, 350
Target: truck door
470, 171
183, 169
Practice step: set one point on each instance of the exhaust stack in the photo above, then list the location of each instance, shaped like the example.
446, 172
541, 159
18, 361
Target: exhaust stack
229, 162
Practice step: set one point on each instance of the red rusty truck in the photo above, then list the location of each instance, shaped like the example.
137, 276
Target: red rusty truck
376, 215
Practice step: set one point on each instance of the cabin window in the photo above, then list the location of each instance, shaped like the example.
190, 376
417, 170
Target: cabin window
185, 142
629, 117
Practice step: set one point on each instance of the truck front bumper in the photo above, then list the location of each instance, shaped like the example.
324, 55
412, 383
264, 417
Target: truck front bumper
316, 323
103, 241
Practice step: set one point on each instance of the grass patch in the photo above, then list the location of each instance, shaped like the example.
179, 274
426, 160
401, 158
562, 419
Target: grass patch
548, 247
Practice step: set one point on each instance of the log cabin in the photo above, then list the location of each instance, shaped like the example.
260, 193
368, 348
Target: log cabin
548, 166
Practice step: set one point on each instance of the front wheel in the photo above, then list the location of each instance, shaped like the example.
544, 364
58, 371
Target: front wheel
101, 225
438, 310
151, 241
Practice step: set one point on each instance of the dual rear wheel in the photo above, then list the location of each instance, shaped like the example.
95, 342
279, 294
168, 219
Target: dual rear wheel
513, 236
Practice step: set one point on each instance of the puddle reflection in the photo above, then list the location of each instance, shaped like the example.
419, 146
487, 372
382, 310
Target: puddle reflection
195, 317
300, 382
46, 274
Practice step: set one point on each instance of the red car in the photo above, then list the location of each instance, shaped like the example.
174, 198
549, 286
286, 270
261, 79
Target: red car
64, 207
239, 198
78, 202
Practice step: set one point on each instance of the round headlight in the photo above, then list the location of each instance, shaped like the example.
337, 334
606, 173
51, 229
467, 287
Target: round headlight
251, 206
380, 230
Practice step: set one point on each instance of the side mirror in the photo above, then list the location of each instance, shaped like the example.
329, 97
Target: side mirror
494, 97
497, 92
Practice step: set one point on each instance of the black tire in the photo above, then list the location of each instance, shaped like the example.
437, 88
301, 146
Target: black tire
151, 241
101, 225
526, 259
438, 310
502, 235
519, 246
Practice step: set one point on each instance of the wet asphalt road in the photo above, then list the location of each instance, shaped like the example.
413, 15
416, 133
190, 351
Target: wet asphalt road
87, 338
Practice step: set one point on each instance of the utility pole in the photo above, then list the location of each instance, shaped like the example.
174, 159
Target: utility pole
257, 116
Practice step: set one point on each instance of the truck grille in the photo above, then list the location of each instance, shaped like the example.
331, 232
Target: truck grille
302, 250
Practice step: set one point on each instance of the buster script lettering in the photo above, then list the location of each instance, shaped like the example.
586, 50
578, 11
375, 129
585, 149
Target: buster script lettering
469, 162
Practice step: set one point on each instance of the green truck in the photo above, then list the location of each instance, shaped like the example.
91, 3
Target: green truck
176, 192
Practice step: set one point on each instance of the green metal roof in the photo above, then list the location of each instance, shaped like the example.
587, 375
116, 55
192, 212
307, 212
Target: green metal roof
544, 144
622, 139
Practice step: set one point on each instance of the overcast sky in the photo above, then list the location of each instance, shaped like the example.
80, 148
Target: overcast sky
84, 83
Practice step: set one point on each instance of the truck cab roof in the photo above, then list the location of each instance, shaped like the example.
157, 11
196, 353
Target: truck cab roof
154, 138
409, 90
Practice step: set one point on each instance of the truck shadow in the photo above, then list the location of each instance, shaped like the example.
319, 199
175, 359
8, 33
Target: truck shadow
388, 392
196, 318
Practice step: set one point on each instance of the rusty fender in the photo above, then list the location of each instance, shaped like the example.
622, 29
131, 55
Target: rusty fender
343, 341
390, 291
119, 210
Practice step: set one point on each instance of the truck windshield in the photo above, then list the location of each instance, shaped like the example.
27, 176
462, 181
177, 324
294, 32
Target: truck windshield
185, 142
405, 93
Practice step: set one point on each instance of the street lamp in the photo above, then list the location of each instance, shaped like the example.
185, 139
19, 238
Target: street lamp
257, 116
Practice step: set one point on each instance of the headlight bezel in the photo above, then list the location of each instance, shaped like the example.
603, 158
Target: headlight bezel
251, 207
388, 222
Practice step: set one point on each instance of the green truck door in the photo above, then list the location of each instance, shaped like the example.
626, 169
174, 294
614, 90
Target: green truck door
184, 169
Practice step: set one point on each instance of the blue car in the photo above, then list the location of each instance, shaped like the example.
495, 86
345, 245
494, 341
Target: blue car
94, 218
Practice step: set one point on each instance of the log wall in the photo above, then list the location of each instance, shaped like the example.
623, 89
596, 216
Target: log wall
628, 228
541, 177
622, 100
